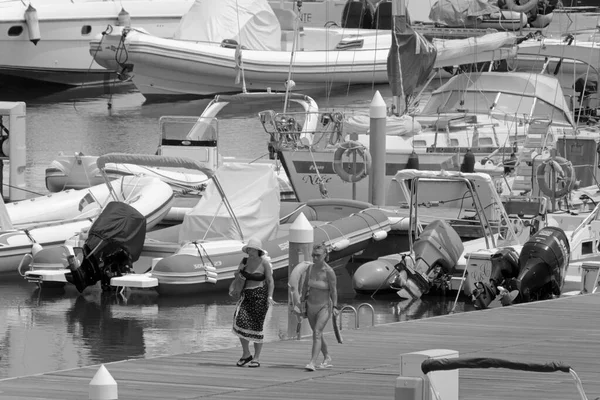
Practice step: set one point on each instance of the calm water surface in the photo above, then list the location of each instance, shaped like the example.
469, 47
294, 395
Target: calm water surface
46, 331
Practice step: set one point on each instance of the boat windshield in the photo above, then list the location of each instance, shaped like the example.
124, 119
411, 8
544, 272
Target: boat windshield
503, 105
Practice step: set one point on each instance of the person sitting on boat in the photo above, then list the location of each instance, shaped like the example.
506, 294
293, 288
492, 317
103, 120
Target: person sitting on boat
320, 297
254, 302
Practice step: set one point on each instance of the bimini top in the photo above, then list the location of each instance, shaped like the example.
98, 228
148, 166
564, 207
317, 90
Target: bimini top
512, 95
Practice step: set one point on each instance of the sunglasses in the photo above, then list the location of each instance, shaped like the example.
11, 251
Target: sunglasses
317, 254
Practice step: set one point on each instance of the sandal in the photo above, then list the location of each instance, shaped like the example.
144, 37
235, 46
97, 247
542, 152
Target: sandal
326, 363
310, 367
243, 361
254, 364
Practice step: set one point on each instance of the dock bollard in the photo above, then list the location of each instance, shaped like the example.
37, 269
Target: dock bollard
302, 236
377, 142
103, 386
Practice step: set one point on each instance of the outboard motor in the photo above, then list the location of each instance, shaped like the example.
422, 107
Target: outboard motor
114, 243
543, 263
436, 252
505, 266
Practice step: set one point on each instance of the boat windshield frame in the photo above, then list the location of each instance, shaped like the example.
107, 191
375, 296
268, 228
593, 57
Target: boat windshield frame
496, 106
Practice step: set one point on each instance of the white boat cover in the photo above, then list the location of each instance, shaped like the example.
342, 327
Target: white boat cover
5, 222
459, 12
251, 23
252, 191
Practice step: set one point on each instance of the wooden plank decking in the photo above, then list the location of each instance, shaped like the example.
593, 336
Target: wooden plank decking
367, 364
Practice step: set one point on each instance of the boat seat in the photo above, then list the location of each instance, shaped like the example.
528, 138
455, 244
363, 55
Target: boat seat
357, 14
383, 15
286, 20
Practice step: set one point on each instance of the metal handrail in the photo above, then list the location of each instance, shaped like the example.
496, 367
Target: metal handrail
355, 311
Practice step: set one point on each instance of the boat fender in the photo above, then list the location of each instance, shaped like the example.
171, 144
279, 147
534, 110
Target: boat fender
541, 20
6, 147
527, 5
468, 164
413, 161
564, 170
123, 19
33, 24
361, 150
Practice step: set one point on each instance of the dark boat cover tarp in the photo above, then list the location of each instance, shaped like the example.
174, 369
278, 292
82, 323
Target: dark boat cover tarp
447, 364
119, 224
460, 12
416, 55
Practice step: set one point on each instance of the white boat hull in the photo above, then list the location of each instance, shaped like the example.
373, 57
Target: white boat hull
150, 196
167, 68
61, 56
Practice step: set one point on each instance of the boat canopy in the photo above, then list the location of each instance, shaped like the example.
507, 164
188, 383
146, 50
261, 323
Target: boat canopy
514, 95
253, 193
460, 12
251, 23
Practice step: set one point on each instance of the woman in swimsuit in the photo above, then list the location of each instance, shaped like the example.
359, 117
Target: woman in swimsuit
321, 302
254, 302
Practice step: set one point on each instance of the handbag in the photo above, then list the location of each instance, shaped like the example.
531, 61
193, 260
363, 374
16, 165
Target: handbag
237, 285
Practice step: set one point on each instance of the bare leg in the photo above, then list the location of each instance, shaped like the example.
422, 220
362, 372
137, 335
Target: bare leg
245, 348
318, 342
257, 350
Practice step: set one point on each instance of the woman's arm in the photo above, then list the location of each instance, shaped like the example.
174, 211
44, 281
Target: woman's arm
332, 286
269, 279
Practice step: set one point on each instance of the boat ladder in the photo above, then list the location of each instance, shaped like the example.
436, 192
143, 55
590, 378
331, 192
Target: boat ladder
350, 309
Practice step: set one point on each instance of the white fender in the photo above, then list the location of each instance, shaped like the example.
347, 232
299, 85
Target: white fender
294, 281
33, 24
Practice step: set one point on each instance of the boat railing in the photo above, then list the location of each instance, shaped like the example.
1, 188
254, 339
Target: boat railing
294, 130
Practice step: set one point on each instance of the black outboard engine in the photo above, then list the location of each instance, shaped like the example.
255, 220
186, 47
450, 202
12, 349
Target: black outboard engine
505, 266
114, 243
543, 263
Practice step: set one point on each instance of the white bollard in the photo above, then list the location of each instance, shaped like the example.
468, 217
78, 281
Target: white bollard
103, 386
412, 384
302, 235
377, 143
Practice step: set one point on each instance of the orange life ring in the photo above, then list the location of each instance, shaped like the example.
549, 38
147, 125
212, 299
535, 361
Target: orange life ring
361, 150
563, 169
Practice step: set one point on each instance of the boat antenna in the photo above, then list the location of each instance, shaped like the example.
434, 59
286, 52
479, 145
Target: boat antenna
289, 84
239, 64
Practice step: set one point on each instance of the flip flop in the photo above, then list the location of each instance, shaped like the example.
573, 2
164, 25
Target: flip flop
254, 364
243, 361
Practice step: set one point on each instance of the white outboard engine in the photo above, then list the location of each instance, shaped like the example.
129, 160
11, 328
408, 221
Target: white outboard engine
436, 253
543, 265
114, 243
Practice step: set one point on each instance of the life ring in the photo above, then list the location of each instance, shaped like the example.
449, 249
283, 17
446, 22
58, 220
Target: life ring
527, 5
563, 169
295, 283
361, 151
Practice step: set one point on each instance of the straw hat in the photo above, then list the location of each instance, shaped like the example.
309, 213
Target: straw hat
253, 243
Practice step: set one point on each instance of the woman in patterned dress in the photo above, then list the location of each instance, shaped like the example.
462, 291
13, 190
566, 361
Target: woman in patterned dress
254, 302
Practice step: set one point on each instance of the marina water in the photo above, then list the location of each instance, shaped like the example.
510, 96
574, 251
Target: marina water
43, 331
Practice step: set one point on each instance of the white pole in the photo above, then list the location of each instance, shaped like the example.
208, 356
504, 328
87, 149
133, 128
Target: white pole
301, 242
103, 386
377, 139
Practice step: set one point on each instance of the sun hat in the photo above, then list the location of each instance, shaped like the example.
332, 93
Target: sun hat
253, 243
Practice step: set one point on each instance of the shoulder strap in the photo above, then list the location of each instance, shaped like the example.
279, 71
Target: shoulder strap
305, 284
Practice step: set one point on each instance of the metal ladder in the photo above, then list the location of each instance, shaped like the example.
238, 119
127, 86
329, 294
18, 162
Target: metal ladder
348, 308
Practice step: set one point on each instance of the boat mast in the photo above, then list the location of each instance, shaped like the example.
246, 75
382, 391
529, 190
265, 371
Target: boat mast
398, 102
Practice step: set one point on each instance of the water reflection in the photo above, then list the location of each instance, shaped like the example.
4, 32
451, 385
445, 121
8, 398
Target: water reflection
47, 330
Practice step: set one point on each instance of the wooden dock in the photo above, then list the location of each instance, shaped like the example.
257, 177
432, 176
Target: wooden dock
367, 364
